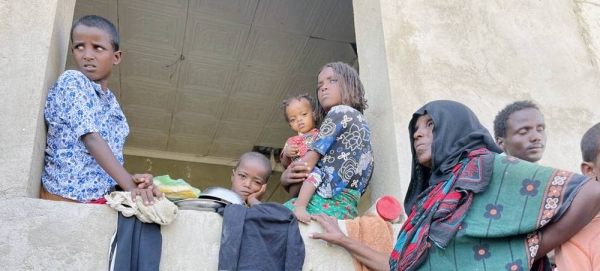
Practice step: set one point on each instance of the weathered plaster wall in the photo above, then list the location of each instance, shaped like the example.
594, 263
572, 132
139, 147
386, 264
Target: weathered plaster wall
484, 54
588, 12
33, 48
46, 235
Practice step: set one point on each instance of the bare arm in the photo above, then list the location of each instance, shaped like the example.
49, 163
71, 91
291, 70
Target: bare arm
101, 152
311, 158
286, 161
295, 173
289, 152
373, 259
583, 209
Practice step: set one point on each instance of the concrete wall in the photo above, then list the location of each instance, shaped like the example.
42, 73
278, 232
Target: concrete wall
483, 54
33, 49
46, 235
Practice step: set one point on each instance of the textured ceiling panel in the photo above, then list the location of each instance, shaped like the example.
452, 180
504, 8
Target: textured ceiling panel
300, 84
139, 138
244, 110
147, 119
149, 66
338, 24
198, 75
148, 96
191, 126
207, 77
221, 40
228, 149
256, 83
274, 136
151, 26
237, 132
200, 105
231, 10
177, 4
190, 145
319, 52
273, 49
295, 16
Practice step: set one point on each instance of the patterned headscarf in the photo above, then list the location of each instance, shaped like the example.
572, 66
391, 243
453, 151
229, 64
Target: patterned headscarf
439, 197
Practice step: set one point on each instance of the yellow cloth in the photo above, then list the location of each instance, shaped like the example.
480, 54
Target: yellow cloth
162, 212
372, 231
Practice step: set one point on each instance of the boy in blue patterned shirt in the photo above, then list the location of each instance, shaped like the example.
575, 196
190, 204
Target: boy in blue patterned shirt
86, 126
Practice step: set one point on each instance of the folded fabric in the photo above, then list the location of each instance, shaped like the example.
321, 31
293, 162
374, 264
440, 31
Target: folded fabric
175, 189
263, 237
135, 246
372, 231
162, 212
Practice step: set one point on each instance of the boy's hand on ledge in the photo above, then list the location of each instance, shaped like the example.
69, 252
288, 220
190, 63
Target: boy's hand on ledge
147, 194
143, 180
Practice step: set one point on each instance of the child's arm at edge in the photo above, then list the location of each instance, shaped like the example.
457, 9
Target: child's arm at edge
103, 155
311, 158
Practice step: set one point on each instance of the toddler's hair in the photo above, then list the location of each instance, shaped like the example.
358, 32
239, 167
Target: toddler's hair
99, 22
590, 144
351, 89
298, 97
256, 156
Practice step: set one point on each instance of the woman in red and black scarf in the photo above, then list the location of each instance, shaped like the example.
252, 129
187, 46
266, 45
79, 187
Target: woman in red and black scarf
471, 208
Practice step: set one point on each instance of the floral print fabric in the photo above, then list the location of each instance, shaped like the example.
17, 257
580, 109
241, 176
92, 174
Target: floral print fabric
502, 228
76, 106
344, 141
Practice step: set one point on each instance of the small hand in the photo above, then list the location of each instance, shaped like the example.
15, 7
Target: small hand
302, 215
332, 233
291, 151
142, 180
258, 195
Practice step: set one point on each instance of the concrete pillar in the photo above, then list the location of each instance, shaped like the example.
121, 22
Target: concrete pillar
483, 54
34, 38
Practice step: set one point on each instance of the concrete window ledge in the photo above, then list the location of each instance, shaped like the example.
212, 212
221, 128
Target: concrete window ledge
47, 235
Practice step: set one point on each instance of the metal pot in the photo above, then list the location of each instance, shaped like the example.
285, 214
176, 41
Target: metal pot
200, 204
222, 194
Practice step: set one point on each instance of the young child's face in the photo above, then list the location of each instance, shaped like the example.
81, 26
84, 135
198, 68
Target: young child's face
300, 115
248, 178
328, 91
93, 53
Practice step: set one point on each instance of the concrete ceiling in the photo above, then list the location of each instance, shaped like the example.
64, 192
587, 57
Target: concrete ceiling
206, 78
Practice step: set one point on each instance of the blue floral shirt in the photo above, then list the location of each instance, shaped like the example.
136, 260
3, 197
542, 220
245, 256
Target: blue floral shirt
76, 106
344, 141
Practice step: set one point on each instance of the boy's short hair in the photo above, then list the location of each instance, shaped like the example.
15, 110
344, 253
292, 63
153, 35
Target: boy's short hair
590, 144
102, 23
502, 117
256, 156
298, 97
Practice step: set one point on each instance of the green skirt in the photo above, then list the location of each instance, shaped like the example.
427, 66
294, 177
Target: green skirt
342, 206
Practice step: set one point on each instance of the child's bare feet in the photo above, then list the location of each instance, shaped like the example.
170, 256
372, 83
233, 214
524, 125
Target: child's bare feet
302, 215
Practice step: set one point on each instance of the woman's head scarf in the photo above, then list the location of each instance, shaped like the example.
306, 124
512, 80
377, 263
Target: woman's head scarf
456, 131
